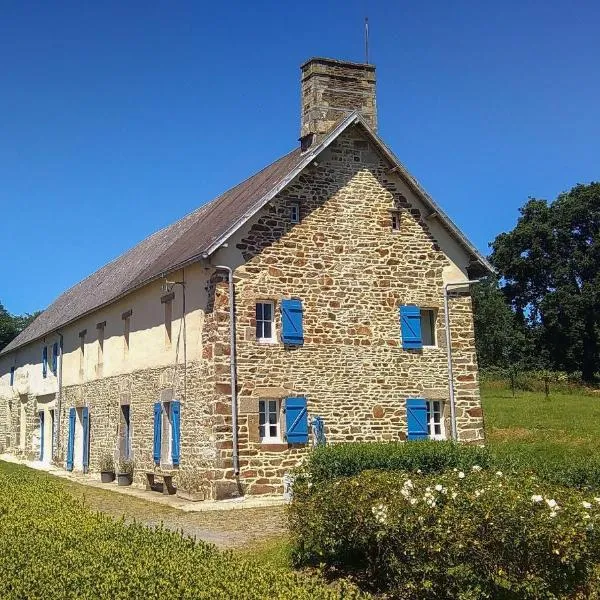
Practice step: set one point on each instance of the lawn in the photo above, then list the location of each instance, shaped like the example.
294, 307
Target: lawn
564, 428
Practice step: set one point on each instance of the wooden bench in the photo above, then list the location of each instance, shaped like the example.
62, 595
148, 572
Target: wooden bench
167, 486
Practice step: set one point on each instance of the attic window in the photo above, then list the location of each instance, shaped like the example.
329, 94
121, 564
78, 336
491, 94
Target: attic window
396, 220
295, 212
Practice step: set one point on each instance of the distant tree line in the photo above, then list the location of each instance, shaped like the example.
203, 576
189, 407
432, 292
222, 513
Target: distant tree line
12, 325
542, 310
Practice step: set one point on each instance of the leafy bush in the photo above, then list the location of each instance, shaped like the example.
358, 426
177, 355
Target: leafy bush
343, 460
51, 546
107, 463
453, 535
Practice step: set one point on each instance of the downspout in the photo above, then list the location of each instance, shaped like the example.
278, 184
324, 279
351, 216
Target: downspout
233, 366
59, 396
447, 286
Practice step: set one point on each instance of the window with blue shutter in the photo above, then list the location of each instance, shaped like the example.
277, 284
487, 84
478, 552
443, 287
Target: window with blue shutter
416, 419
55, 358
71, 439
296, 420
85, 422
410, 325
12, 376
291, 322
157, 432
45, 361
175, 431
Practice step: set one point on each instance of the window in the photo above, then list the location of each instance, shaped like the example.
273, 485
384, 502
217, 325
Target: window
126, 316
12, 376
435, 419
269, 420
100, 329
125, 433
55, 358
166, 451
295, 212
428, 326
167, 300
265, 326
45, 362
395, 221
82, 351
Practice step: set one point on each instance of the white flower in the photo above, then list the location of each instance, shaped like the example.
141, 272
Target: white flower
537, 498
419, 471
413, 501
453, 495
476, 468
552, 513
408, 484
427, 489
405, 492
586, 505
551, 503
597, 500
461, 475
439, 487
499, 473
586, 516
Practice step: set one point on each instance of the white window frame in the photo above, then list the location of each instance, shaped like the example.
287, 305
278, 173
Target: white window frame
265, 409
432, 324
166, 434
435, 416
295, 212
273, 338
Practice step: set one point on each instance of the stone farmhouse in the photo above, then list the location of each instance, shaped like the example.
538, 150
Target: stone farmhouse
308, 300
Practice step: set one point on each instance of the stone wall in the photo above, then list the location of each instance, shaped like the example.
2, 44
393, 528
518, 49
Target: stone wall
352, 272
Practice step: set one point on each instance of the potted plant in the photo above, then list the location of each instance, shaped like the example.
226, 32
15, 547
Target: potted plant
107, 468
125, 473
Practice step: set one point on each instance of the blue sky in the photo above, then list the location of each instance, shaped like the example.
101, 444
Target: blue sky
117, 118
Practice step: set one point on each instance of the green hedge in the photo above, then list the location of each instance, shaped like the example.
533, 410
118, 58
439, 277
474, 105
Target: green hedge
343, 460
51, 546
458, 535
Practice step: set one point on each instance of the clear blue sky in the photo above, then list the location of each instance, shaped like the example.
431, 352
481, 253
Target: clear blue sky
117, 118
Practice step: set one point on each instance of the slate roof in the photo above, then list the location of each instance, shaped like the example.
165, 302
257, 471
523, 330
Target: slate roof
205, 230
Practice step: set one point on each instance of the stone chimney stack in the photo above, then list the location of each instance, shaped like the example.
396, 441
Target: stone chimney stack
331, 90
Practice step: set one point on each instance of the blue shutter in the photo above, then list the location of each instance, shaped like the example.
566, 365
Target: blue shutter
45, 361
85, 422
12, 376
291, 322
157, 431
410, 322
416, 419
55, 357
41, 435
296, 420
71, 439
175, 430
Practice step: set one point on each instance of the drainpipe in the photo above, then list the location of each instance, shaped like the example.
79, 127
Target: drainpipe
233, 365
59, 397
447, 287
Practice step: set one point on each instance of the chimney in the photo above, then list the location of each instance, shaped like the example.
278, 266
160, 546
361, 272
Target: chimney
331, 90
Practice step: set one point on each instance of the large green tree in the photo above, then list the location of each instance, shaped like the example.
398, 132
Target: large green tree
550, 264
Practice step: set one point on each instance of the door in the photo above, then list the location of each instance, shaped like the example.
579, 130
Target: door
42, 428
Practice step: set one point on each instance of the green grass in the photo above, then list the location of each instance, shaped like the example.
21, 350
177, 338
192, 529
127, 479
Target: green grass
557, 437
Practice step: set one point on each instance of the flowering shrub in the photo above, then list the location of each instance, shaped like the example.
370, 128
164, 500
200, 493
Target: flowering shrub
462, 534
328, 462
51, 546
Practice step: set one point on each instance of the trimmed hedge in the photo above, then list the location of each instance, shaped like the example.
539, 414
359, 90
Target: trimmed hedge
343, 460
459, 535
51, 546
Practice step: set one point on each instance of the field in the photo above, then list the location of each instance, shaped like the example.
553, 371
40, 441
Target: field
563, 429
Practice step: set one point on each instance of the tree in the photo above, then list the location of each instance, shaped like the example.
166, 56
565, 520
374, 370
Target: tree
12, 325
550, 263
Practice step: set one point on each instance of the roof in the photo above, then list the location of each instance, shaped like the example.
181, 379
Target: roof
202, 232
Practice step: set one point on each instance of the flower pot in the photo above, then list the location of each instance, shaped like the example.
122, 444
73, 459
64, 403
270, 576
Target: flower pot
124, 478
107, 476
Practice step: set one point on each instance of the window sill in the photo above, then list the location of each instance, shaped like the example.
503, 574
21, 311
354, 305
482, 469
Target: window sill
266, 342
273, 446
